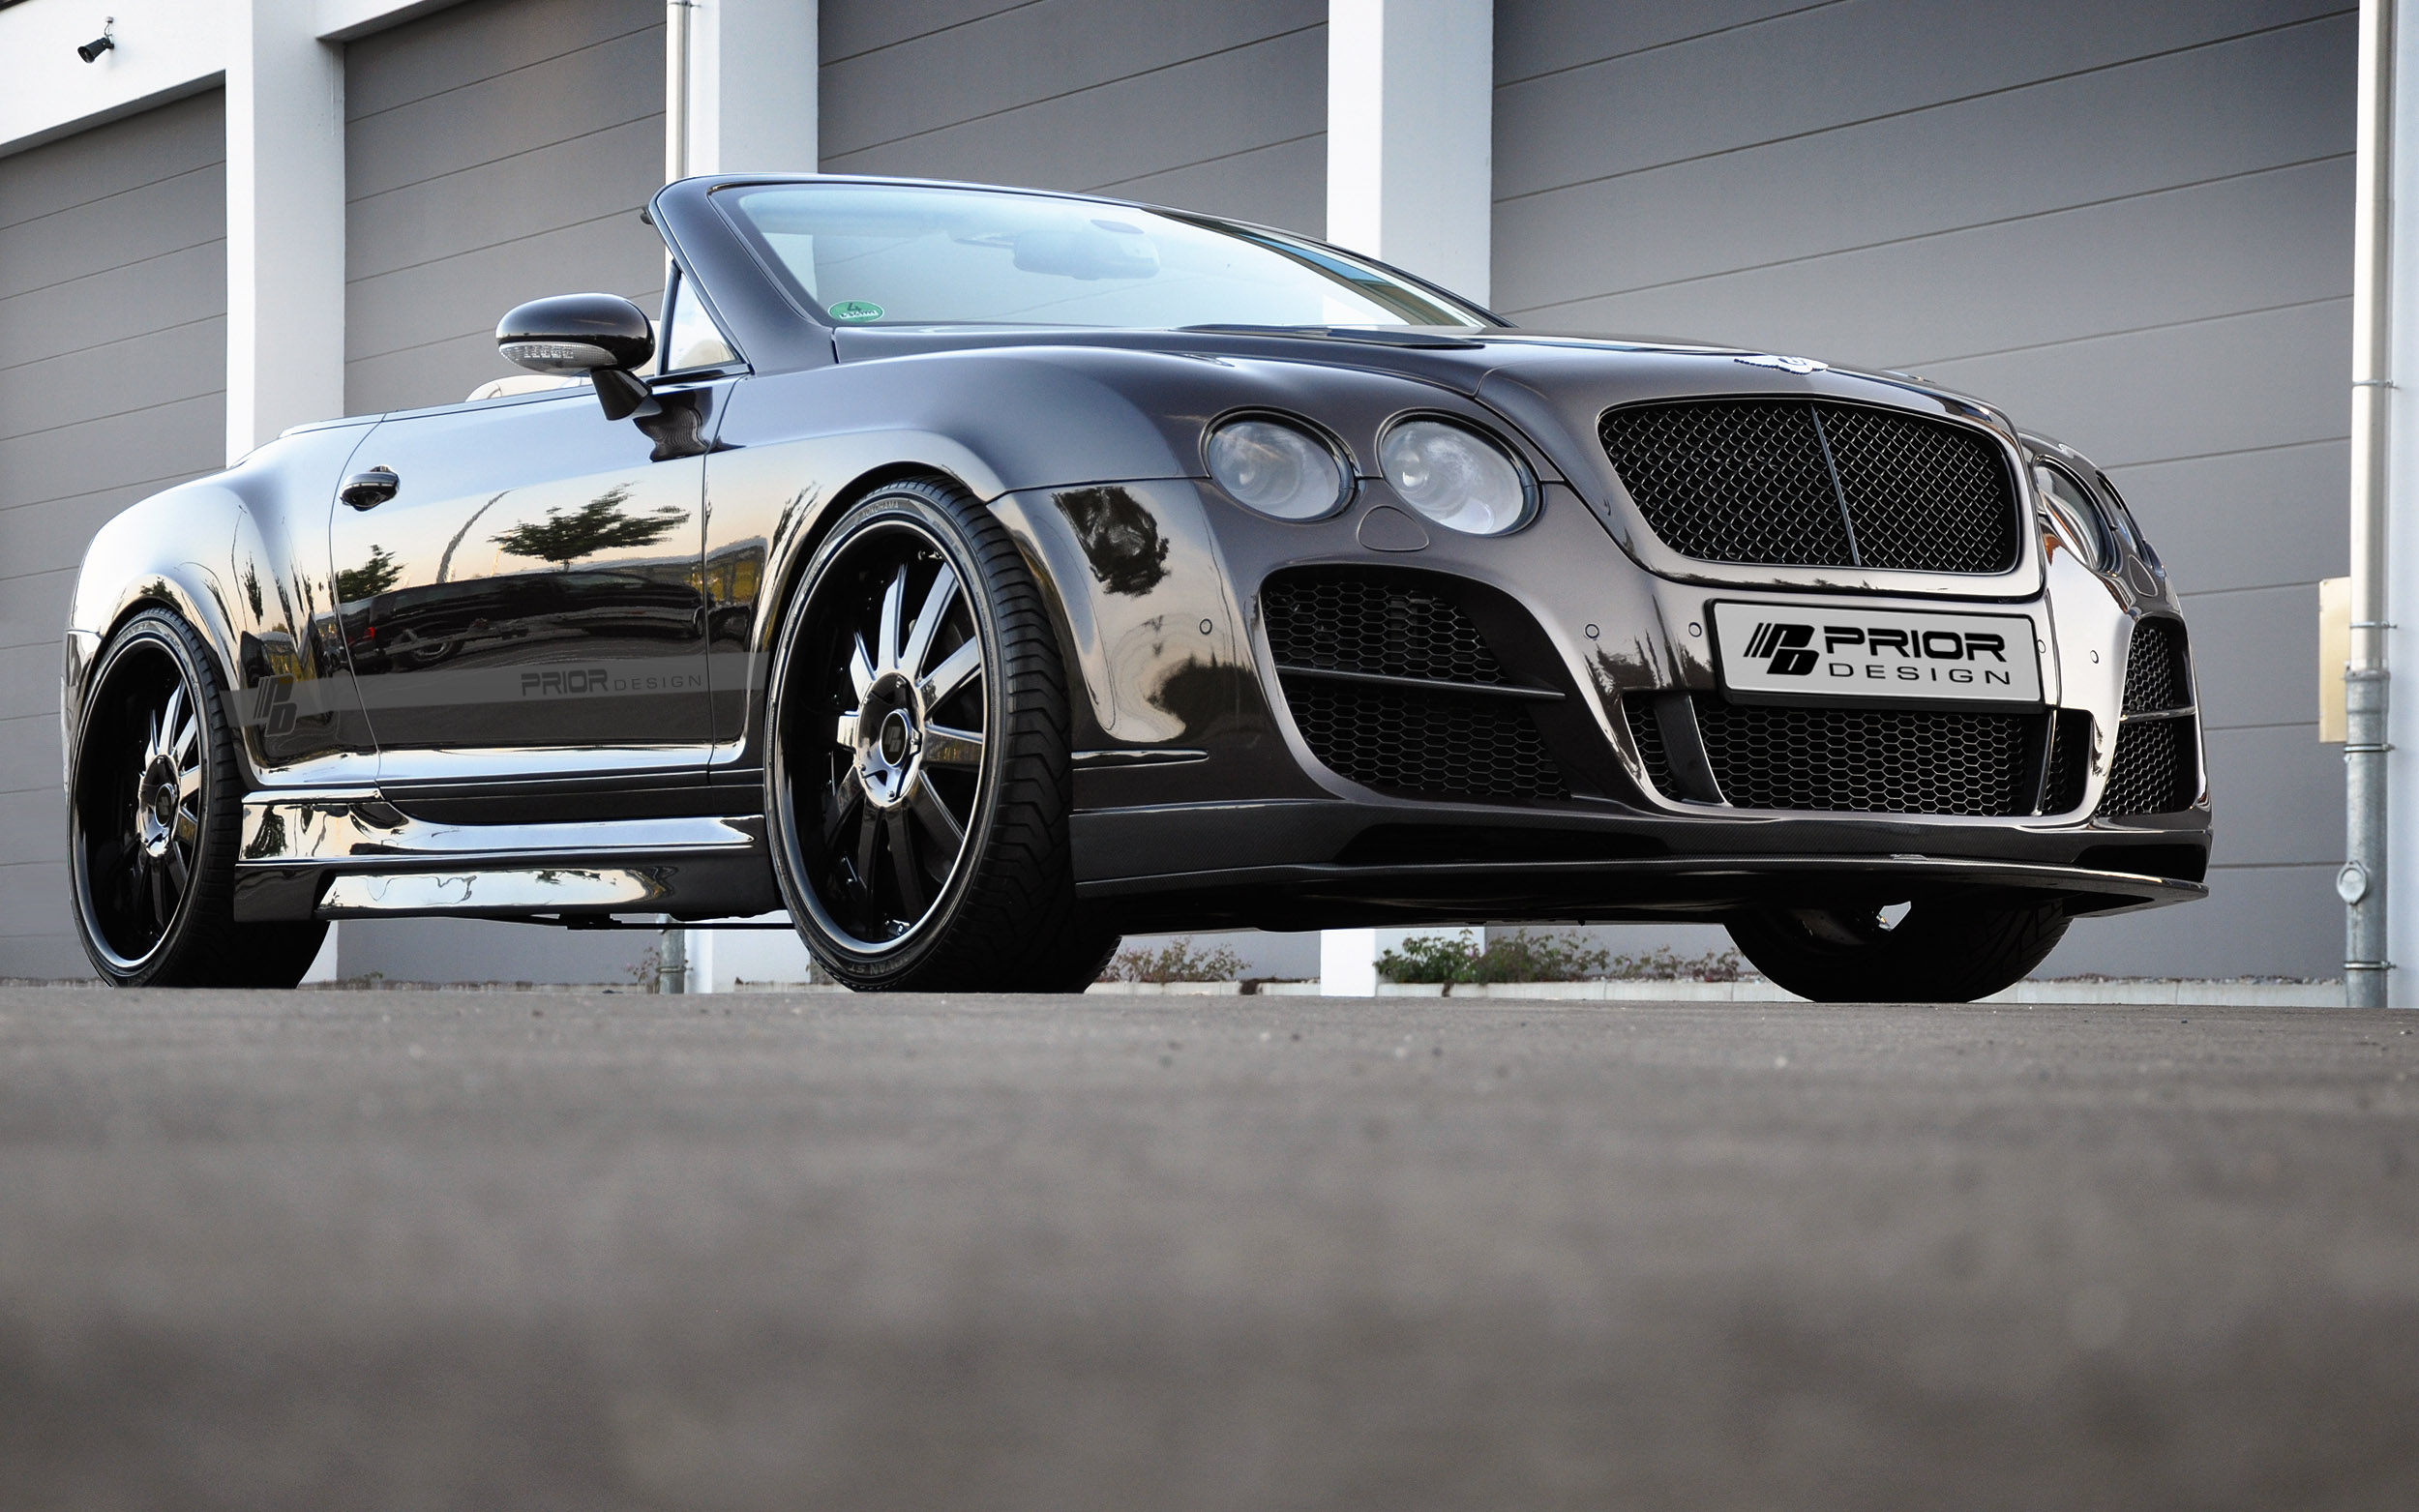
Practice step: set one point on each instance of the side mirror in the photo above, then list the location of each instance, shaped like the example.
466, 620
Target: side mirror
600, 337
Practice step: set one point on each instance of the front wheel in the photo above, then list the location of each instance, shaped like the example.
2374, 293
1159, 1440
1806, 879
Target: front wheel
155, 814
1937, 951
919, 784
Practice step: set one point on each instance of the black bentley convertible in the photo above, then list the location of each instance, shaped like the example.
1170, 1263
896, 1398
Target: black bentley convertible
978, 574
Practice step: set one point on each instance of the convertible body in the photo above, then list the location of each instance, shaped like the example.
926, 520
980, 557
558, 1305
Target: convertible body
1765, 633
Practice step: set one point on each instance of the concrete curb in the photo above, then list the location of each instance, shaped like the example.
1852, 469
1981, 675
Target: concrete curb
2144, 992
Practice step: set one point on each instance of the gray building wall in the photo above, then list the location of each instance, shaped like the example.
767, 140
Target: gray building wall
1216, 107
2130, 226
112, 386
494, 152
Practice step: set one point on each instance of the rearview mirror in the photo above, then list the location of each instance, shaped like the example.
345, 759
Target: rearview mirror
600, 337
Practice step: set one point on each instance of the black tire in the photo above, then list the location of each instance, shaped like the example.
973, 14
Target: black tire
1943, 951
155, 814
917, 783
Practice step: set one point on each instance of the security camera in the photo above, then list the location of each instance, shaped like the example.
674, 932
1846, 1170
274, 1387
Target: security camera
101, 43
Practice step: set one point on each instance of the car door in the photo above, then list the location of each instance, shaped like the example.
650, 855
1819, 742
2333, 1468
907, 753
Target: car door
527, 602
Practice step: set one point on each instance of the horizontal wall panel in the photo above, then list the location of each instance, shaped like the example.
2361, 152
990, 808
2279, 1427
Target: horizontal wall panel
170, 215
29, 742
1815, 71
2257, 921
1535, 37
852, 28
109, 304
506, 200
1280, 185
496, 151
34, 606
2279, 796
2251, 517
474, 44
2255, 654
139, 374
559, 100
1214, 108
125, 158
2268, 378
2261, 103
158, 445
1022, 56
2259, 240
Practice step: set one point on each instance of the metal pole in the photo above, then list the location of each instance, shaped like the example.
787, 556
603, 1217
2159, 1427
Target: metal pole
2362, 883
672, 946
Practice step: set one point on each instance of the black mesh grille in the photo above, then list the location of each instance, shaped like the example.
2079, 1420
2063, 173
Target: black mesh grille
2155, 675
2069, 763
2155, 770
1780, 482
1866, 760
1437, 745
1352, 621
1647, 732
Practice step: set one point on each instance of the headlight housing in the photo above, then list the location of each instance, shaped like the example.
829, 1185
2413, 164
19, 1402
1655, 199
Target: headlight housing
1277, 468
2077, 517
1455, 476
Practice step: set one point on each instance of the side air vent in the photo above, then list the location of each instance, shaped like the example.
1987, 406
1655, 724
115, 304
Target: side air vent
1393, 685
2155, 674
2155, 770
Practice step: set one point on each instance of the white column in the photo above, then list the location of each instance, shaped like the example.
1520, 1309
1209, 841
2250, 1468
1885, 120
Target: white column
751, 85
284, 237
1411, 150
1411, 178
284, 221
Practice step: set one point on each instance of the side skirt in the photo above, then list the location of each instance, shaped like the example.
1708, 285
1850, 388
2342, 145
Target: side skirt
340, 853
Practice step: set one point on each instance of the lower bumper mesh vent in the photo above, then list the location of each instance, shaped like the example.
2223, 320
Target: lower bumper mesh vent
1434, 744
2069, 763
1867, 760
2156, 769
1646, 731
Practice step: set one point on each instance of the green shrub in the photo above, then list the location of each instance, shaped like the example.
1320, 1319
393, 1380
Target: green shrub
1524, 956
1178, 960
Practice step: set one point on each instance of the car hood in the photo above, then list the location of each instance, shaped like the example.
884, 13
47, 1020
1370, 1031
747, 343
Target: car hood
1553, 385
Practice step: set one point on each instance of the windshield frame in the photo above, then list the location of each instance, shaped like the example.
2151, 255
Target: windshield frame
1290, 245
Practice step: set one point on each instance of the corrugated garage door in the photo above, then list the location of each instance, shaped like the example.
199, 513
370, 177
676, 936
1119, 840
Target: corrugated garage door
2129, 224
1215, 107
494, 152
112, 386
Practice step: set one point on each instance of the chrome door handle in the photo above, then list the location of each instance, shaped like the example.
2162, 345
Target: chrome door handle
369, 489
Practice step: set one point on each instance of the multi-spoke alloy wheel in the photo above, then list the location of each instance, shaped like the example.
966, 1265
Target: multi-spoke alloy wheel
918, 779
153, 821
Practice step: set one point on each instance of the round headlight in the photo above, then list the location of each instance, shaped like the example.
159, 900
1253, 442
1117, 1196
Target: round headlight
1278, 470
1455, 476
2076, 516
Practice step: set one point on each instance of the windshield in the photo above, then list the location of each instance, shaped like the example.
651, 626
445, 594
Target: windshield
897, 254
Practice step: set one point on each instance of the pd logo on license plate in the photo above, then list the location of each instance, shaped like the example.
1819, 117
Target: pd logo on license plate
1793, 652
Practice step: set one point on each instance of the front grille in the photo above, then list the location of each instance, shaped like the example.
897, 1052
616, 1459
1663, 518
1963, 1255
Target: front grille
1867, 760
2069, 763
2155, 770
2155, 676
1646, 731
1799, 483
1396, 625
1437, 745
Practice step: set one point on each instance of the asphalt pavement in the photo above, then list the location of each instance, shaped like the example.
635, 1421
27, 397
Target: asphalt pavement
533, 1250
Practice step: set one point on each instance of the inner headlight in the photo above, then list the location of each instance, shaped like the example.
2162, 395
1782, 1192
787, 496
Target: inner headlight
1455, 476
2077, 517
1278, 469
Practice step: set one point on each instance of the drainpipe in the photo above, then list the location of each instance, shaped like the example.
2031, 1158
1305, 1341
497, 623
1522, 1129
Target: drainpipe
2362, 883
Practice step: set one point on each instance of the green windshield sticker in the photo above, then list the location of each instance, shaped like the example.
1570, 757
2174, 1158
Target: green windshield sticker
856, 309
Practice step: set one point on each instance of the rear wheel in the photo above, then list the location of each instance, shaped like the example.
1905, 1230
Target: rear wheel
155, 814
1943, 951
918, 781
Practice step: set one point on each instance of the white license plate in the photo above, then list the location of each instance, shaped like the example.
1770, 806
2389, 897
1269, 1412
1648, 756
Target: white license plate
1792, 651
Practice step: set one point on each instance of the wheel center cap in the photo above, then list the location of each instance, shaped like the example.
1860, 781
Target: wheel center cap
895, 737
890, 740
